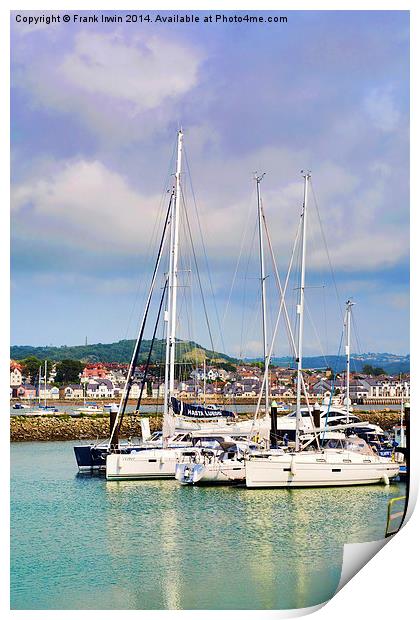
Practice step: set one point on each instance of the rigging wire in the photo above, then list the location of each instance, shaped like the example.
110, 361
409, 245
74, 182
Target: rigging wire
134, 360
316, 333
198, 275
143, 383
333, 383
205, 253
278, 282
245, 230
153, 239
244, 291
327, 251
355, 331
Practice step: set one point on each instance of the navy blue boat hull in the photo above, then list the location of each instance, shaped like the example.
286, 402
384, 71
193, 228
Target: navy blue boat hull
90, 458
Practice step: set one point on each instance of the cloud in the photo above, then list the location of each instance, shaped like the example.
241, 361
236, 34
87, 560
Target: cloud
381, 108
396, 300
141, 74
87, 205
117, 87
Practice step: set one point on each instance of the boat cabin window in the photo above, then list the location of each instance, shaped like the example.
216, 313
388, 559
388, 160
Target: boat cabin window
304, 414
356, 444
334, 444
183, 437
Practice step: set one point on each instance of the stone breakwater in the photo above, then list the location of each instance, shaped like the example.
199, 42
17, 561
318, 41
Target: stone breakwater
63, 427
385, 419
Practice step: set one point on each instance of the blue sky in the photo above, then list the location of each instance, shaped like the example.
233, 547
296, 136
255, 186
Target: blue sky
95, 109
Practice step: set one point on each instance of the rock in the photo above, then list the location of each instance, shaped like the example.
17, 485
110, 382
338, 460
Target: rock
61, 428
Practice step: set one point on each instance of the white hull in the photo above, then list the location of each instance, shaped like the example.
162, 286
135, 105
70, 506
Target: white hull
331, 468
221, 426
226, 472
144, 465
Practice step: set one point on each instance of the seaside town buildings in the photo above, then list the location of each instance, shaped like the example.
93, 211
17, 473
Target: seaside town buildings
106, 381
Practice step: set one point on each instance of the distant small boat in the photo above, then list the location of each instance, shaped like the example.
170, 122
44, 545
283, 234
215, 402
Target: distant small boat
20, 406
90, 408
47, 408
43, 408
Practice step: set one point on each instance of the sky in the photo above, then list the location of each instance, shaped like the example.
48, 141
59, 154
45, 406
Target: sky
95, 112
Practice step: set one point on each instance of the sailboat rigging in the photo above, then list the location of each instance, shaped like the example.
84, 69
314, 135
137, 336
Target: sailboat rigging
342, 460
178, 417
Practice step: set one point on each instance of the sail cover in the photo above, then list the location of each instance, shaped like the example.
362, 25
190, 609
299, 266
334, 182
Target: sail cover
199, 411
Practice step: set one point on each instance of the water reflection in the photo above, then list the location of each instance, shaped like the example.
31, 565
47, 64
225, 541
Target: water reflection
240, 548
82, 542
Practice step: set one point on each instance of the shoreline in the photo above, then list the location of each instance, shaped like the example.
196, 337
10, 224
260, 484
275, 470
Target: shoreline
64, 427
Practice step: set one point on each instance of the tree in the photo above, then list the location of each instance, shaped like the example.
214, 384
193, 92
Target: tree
368, 369
378, 371
30, 368
68, 371
227, 366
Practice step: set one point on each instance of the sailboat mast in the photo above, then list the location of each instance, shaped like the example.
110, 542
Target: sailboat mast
173, 282
258, 180
300, 309
402, 434
45, 385
204, 378
39, 386
349, 304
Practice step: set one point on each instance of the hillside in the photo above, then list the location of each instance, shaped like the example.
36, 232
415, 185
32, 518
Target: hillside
392, 364
116, 352
189, 351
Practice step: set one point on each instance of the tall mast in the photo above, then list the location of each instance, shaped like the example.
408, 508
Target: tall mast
39, 387
258, 180
204, 378
300, 309
173, 282
402, 437
45, 385
349, 305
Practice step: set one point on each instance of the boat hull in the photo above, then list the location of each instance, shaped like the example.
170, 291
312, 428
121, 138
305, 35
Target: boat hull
230, 472
303, 470
90, 458
144, 465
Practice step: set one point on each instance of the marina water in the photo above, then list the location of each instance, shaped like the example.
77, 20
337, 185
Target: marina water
79, 542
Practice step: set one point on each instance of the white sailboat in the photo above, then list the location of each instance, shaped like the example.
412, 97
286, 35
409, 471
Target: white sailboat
88, 408
42, 408
225, 464
333, 410
177, 416
217, 460
351, 462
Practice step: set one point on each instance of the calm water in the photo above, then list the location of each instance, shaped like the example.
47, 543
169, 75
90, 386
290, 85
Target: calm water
79, 542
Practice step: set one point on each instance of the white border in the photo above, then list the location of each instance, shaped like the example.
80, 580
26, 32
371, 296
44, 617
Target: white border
387, 585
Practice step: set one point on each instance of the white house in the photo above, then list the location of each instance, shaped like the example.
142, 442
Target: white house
51, 393
135, 390
100, 388
388, 388
15, 375
73, 391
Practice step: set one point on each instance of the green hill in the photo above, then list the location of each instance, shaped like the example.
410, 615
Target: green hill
121, 352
